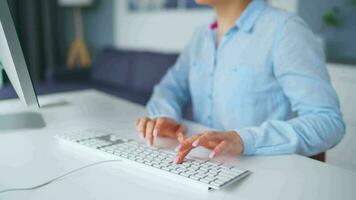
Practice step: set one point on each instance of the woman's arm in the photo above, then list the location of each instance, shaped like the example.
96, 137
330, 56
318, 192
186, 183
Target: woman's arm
172, 93
300, 69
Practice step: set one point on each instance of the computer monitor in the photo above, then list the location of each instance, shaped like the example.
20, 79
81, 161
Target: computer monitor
13, 60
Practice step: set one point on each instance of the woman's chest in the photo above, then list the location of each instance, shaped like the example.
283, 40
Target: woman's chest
238, 68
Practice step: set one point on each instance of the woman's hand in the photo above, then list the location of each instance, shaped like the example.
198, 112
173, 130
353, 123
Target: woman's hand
160, 127
219, 142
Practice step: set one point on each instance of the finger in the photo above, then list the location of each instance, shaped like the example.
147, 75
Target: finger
187, 143
159, 128
180, 133
149, 132
219, 149
210, 145
205, 138
185, 148
142, 126
182, 154
137, 122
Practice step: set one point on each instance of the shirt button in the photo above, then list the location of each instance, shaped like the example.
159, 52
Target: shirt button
210, 96
211, 74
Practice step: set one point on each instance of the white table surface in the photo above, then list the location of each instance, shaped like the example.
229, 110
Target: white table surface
29, 157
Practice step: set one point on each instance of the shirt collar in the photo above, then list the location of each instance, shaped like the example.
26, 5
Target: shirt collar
248, 18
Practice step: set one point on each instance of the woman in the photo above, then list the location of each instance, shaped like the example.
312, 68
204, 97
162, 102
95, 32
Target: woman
257, 75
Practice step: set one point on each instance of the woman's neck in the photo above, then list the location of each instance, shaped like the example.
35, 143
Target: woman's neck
227, 12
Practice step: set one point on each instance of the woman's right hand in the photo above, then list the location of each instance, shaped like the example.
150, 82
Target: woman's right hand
160, 127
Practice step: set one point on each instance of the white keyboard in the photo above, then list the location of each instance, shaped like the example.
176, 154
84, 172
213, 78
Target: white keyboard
211, 174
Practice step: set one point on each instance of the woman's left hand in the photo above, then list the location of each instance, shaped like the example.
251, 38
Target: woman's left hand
220, 142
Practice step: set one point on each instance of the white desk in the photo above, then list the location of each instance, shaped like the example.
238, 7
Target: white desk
29, 157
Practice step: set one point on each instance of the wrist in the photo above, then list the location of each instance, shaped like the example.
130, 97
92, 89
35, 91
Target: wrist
239, 144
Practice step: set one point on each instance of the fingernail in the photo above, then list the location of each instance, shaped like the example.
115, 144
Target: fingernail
141, 136
148, 143
176, 160
212, 155
195, 143
155, 133
178, 147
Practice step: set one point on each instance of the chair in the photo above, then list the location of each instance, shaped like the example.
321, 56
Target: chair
320, 157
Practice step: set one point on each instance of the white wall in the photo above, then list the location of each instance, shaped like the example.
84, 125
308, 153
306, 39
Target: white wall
167, 31
289, 5
344, 80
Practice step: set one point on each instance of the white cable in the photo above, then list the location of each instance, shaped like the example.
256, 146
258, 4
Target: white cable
57, 178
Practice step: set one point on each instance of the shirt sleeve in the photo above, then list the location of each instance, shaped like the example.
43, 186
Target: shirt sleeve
299, 67
172, 93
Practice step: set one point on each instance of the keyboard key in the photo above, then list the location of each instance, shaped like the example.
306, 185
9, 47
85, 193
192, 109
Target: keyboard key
204, 180
219, 181
194, 177
224, 167
200, 175
184, 174
131, 157
202, 170
165, 168
161, 157
213, 171
209, 178
215, 164
156, 165
215, 184
234, 169
194, 167
223, 179
190, 172
180, 170
227, 174
124, 155
174, 171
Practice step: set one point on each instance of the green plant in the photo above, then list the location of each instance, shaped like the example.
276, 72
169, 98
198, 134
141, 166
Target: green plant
332, 17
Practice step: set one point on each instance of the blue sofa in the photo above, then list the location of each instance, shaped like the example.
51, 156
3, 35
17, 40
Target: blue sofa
130, 74
123, 73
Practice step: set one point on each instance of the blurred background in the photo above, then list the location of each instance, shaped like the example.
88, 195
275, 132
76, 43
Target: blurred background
123, 47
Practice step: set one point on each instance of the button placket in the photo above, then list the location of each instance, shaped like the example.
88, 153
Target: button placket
211, 91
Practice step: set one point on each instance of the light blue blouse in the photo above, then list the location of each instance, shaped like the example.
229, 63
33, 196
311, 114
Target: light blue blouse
266, 80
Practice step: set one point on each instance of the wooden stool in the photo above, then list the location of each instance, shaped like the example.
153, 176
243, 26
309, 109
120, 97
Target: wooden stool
78, 52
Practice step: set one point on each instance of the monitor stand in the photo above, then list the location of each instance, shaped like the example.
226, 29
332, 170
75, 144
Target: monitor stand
24, 120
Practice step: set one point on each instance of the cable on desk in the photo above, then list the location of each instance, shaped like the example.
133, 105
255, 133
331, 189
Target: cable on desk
57, 178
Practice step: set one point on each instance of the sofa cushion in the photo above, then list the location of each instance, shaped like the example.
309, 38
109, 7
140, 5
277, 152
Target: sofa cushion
135, 70
125, 93
149, 68
112, 66
132, 74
